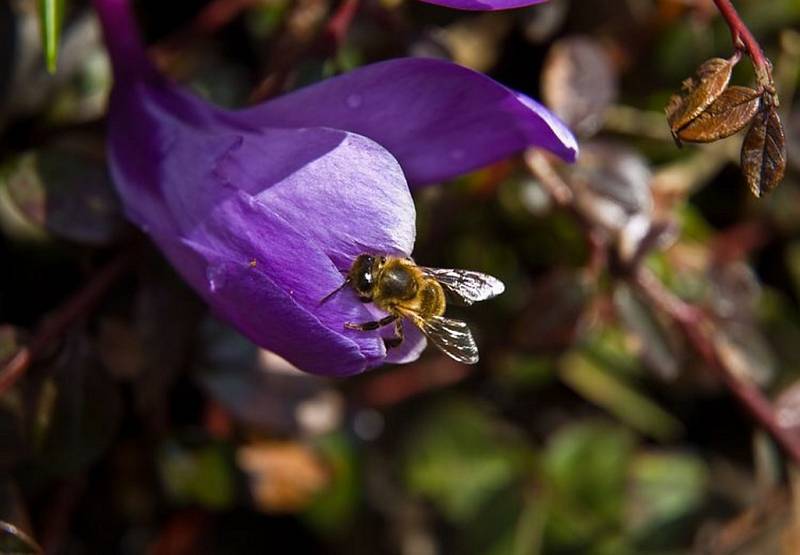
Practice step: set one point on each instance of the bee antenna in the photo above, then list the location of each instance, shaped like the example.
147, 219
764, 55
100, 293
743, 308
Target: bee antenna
332, 293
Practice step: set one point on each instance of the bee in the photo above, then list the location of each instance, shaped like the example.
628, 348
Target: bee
406, 291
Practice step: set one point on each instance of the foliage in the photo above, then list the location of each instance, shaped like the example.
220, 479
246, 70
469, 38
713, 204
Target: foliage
644, 285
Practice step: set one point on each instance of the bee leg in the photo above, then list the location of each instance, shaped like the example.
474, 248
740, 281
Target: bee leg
369, 326
397, 340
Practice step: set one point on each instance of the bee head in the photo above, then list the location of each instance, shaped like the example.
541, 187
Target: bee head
363, 273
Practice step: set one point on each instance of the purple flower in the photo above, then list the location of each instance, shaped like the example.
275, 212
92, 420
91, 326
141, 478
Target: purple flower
261, 210
484, 5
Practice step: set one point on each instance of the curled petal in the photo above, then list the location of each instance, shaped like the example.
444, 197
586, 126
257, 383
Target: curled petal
438, 119
266, 313
262, 224
411, 348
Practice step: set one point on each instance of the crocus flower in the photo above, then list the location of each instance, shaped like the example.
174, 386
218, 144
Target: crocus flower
262, 210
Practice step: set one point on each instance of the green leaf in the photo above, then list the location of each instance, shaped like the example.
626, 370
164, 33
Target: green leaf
459, 455
335, 508
51, 18
585, 469
663, 489
594, 383
198, 474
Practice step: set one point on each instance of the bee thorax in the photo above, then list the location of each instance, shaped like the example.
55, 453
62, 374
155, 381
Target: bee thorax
398, 283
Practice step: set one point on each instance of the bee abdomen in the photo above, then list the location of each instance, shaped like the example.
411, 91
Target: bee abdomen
432, 300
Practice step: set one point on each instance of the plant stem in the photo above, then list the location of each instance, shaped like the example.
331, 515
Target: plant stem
696, 328
743, 39
693, 322
54, 326
339, 23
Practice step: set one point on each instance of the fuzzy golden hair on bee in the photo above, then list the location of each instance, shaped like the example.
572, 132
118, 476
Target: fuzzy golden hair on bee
406, 291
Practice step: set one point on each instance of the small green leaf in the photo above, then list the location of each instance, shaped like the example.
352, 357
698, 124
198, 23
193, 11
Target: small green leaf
459, 455
592, 381
51, 17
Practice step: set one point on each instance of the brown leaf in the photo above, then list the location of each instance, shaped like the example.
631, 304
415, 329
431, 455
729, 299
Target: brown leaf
284, 476
702, 90
764, 152
727, 115
579, 83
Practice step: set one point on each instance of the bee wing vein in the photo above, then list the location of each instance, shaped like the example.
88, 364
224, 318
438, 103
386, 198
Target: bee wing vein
465, 286
453, 337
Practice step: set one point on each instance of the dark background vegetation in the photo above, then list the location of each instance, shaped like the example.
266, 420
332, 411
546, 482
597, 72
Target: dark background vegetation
591, 426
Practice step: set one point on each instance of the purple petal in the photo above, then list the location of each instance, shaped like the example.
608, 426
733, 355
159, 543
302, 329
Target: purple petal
267, 314
437, 118
262, 224
411, 348
486, 5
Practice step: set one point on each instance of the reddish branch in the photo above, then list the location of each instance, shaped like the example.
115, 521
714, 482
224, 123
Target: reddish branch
300, 37
339, 23
697, 328
743, 39
692, 320
55, 325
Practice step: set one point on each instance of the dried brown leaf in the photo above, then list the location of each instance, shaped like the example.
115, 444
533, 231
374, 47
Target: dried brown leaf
702, 90
284, 476
579, 83
728, 114
764, 152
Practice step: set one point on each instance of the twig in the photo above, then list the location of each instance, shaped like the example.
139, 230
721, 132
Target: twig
540, 166
691, 319
300, 36
744, 40
52, 327
339, 23
697, 328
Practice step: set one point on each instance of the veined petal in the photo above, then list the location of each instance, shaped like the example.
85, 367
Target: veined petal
267, 314
484, 5
345, 192
437, 118
262, 224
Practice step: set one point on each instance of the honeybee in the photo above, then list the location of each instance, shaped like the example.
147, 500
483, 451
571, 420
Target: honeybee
406, 291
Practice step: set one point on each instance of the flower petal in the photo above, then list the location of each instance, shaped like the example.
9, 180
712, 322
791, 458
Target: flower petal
410, 349
262, 223
485, 5
437, 118
350, 200
267, 314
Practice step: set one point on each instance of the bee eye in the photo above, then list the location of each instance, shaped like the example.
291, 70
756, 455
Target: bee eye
383, 260
364, 282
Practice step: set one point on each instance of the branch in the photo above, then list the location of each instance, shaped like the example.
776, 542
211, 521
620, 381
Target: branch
55, 325
744, 40
692, 320
696, 326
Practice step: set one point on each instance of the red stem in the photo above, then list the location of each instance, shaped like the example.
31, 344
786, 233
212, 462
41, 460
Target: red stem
696, 327
743, 39
52, 327
339, 23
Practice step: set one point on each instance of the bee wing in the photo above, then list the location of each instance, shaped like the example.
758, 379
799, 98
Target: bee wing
452, 337
466, 287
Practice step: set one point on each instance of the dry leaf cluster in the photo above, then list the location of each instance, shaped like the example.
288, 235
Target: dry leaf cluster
709, 109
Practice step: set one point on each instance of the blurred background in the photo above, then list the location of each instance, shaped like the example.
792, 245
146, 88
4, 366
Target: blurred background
594, 423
